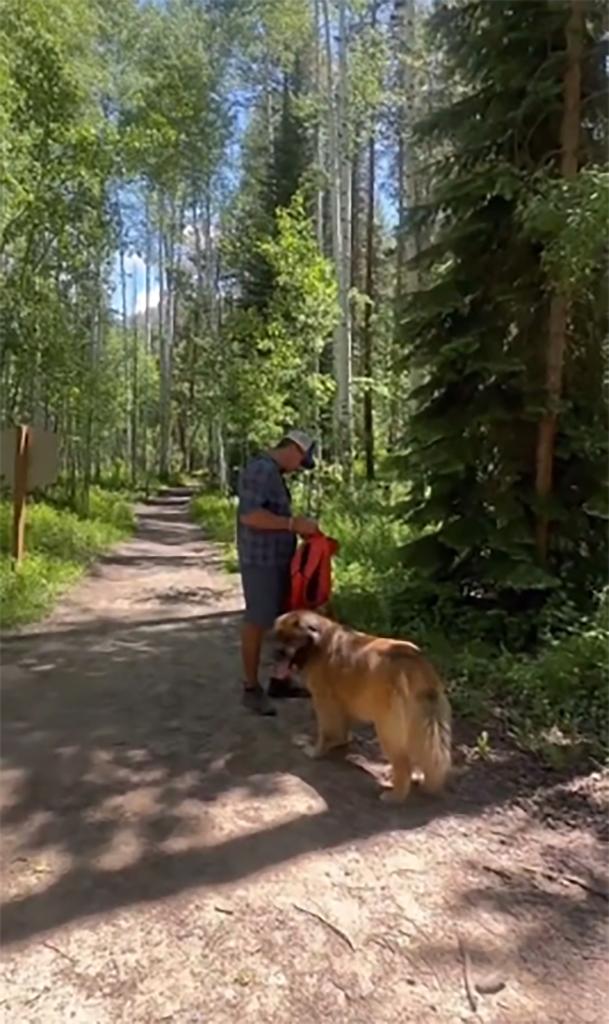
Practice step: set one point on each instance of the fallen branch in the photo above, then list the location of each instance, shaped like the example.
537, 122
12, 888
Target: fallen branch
572, 880
467, 976
60, 952
549, 876
333, 928
508, 876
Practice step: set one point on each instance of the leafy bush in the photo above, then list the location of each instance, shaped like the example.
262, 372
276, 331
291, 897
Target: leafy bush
111, 507
59, 544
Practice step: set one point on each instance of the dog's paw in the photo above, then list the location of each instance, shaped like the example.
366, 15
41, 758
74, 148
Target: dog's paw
391, 796
312, 751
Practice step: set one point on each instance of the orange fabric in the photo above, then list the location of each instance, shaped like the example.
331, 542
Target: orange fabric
312, 573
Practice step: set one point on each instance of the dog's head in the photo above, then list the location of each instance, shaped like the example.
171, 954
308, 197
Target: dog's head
296, 636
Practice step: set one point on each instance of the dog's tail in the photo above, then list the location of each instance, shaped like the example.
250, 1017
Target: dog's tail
429, 732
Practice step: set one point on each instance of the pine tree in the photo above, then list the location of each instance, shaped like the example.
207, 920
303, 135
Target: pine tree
478, 332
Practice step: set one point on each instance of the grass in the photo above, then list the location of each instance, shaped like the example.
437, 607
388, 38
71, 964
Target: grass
215, 514
59, 547
553, 699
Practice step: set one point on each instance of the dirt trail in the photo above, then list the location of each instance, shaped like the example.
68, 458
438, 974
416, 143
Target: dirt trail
169, 859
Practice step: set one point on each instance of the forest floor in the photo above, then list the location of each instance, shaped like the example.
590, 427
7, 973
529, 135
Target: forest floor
168, 858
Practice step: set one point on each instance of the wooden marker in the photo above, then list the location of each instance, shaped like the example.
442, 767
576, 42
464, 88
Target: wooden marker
20, 491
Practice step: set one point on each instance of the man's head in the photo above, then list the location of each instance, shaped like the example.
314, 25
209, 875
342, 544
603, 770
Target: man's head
295, 451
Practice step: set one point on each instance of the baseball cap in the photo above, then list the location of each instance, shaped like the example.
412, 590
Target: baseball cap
306, 444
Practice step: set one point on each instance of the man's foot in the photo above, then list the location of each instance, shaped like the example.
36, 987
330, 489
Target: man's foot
282, 689
255, 700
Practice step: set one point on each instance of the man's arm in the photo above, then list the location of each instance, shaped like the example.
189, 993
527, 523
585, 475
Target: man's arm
262, 519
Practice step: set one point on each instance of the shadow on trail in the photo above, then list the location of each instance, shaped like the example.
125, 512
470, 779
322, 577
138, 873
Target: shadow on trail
563, 913
138, 728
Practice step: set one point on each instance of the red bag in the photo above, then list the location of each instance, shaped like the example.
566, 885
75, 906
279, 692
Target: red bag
312, 573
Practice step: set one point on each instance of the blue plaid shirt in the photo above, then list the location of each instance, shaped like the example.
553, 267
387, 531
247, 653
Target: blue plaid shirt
261, 485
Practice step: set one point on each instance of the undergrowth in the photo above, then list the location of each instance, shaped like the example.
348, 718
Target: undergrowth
215, 514
546, 686
59, 545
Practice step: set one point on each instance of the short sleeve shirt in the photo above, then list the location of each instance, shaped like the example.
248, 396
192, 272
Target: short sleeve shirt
261, 485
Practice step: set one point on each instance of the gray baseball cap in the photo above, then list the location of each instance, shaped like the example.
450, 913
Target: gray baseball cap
306, 444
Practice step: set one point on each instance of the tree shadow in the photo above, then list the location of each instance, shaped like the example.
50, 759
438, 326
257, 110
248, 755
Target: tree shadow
523, 930
97, 720
127, 758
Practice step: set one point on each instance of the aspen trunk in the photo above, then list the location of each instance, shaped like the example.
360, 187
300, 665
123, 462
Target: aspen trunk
367, 359
319, 142
147, 342
164, 418
340, 205
135, 381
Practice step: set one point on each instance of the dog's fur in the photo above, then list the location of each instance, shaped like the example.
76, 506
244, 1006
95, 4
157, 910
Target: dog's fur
355, 677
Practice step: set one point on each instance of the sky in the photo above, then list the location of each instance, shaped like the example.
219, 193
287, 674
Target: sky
135, 272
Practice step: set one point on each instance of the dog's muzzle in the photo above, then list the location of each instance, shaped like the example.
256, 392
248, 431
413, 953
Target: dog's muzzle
290, 659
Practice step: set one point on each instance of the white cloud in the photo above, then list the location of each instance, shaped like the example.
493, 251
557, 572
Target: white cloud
140, 302
134, 264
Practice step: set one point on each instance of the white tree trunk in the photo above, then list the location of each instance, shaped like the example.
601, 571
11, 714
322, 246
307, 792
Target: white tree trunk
164, 398
319, 141
211, 277
135, 384
147, 339
125, 341
340, 203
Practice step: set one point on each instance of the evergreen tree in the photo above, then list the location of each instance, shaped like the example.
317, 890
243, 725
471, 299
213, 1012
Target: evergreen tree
478, 332
274, 163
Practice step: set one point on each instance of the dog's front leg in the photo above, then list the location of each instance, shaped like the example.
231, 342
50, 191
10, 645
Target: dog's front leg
319, 748
314, 750
332, 727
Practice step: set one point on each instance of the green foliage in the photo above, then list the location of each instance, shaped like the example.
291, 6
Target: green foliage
29, 593
271, 361
174, 118
503, 226
368, 574
56, 157
215, 514
569, 218
59, 545
112, 508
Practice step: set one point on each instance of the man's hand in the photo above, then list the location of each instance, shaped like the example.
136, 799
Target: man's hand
305, 527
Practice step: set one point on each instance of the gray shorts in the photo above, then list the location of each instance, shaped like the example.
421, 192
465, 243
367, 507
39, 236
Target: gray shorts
266, 590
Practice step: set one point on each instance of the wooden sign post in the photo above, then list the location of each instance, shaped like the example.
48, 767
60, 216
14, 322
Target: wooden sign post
22, 451
29, 461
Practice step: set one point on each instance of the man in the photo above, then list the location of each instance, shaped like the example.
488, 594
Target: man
266, 541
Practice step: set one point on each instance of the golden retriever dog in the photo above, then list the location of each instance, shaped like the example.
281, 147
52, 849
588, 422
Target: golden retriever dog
356, 677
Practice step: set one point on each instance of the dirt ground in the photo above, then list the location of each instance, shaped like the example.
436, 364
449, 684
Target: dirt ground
168, 858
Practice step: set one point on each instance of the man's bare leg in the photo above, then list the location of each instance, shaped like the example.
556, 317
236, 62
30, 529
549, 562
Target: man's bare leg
251, 646
254, 697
